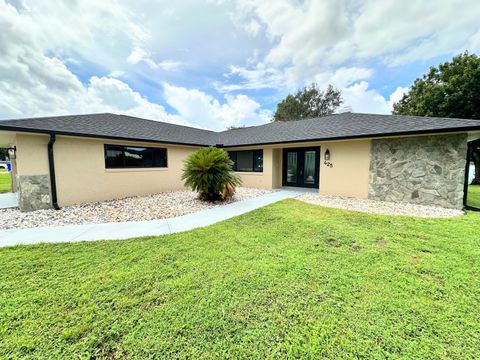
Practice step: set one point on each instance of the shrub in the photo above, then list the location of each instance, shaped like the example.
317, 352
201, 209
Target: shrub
209, 171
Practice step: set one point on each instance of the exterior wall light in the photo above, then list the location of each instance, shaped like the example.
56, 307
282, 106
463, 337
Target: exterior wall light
327, 155
12, 151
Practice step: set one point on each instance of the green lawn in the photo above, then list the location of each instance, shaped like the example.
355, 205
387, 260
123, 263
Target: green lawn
473, 197
4, 181
289, 280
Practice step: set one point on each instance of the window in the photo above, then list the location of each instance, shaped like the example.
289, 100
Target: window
247, 160
119, 157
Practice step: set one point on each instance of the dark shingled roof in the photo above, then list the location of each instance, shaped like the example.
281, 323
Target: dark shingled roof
337, 126
115, 127
343, 126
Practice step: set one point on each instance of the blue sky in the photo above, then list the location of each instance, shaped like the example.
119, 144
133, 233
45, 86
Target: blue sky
218, 63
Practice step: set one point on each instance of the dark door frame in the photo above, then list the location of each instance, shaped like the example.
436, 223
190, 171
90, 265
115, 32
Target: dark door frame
470, 145
300, 164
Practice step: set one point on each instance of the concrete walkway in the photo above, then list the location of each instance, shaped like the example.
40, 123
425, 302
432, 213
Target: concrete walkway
126, 230
8, 200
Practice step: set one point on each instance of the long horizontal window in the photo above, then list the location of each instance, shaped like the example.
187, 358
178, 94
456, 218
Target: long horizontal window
247, 160
118, 157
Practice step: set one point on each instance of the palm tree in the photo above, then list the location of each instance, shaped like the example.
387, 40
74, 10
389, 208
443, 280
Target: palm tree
209, 171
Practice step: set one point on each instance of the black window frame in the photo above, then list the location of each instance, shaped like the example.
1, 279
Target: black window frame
470, 147
154, 153
234, 154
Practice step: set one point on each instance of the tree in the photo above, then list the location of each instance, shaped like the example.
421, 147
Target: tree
450, 90
209, 171
307, 103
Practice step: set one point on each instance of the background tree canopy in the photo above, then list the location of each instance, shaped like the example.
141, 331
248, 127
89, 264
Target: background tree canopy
450, 90
308, 102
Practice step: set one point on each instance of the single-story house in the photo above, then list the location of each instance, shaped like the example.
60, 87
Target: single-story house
66, 160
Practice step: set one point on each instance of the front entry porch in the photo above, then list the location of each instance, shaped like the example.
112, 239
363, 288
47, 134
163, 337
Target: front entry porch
301, 167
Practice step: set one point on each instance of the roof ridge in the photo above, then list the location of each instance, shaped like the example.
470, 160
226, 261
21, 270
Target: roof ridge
164, 122
106, 113
284, 122
57, 116
416, 116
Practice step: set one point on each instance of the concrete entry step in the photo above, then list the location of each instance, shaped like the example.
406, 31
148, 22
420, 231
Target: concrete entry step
302, 190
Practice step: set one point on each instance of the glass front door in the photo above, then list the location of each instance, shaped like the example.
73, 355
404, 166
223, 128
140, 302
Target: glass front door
292, 167
301, 167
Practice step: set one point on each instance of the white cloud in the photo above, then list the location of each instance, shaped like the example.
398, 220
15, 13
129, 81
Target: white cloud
35, 84
116, 73
343, 76
55, 56
397, 95
359, 98
240, 18
350, 80
201, 109
474, 42
169, 65
332, 32
362, 99
355, 90
357, 95
139, 55
112, 95
64, 94
329, 40
258, 77
104, 32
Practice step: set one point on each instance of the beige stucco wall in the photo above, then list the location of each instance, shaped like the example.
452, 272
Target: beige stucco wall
260, 180
32, 155
32, 180
277, 168
349, 175
82, 177
7, 139
80, 170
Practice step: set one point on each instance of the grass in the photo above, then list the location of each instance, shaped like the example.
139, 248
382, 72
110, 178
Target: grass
4, 181
473, 196
290, 280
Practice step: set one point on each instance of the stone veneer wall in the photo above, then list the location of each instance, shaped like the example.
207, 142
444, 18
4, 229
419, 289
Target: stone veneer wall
427, 170
34, 192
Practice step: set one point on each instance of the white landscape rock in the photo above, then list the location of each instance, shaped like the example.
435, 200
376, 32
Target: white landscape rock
379, 207
140, 208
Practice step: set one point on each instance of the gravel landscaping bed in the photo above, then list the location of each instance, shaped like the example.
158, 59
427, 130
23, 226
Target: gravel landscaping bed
140, 208
379, 207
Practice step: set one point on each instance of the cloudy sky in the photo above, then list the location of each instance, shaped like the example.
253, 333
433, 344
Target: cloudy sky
217, 63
